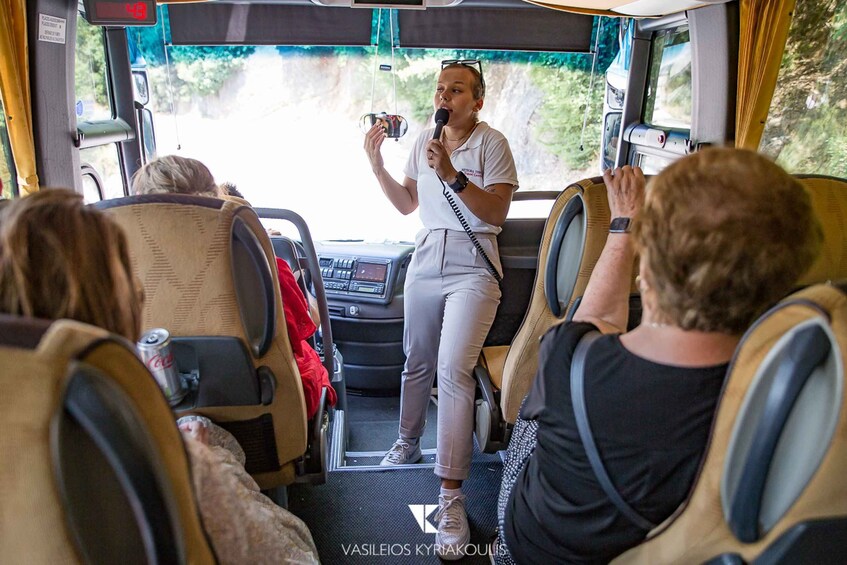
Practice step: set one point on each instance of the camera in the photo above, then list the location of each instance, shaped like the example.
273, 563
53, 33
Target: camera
394, 126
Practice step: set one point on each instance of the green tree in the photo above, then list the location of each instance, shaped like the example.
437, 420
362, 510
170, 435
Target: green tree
561, 116
805, 128
194, 69
90, 69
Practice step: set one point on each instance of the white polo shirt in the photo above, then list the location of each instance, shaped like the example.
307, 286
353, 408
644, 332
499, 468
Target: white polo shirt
485, 158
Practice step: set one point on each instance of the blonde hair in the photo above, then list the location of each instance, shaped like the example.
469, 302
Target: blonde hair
61, 259
478, 86
723, 235
175, 175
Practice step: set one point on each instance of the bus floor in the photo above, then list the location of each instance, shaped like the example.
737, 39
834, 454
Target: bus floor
372, 427
370, 514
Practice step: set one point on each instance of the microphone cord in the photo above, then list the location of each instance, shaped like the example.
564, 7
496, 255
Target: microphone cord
469, 231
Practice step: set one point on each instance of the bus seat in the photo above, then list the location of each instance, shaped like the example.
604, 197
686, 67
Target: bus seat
573, 237
92, 465
209, 278
292, 253
772, 487
829, 200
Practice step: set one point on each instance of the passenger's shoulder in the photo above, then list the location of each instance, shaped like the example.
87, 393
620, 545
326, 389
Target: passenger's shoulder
571, 330
564, 337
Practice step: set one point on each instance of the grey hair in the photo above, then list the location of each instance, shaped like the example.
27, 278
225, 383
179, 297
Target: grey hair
175, 175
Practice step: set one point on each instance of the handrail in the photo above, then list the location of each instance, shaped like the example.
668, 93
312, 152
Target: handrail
317, 281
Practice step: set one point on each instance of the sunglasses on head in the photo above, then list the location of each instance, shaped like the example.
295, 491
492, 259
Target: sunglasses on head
472, 63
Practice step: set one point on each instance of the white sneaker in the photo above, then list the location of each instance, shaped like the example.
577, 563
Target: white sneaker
402, 453
453, 530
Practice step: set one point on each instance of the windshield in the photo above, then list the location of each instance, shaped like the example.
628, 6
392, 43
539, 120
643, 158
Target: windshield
283, 123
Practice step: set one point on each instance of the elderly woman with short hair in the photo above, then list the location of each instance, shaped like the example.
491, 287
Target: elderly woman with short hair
722, 235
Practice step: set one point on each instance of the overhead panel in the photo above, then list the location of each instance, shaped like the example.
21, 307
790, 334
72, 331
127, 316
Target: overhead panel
211, 23
523, 29
633, 8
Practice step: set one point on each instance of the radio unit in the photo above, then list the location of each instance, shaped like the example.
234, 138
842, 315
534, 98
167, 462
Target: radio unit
355, 276
364, 294
362, 272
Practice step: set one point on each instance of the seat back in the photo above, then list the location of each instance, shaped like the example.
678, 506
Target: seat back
829, 200
209, 271
92, 466
777, 451
573, 238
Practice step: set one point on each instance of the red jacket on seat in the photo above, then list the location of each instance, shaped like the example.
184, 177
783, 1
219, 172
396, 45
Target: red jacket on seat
300, 328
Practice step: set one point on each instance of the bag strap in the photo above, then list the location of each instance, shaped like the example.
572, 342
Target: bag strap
581, 414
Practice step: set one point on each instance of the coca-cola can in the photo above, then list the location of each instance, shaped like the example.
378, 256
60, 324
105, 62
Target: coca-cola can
155, 350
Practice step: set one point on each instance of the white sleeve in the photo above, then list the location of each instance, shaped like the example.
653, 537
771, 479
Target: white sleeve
498, 163
411, 169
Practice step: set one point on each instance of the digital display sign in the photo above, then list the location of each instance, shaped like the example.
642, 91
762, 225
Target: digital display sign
108, 12
371, 272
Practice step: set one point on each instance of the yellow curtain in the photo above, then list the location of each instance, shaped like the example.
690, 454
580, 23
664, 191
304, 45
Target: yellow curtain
764, 30
14, 89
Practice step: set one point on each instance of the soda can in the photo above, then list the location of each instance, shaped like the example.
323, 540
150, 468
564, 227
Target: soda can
155, 350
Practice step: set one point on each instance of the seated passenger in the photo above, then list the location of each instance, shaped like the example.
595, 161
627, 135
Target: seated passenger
173, 174
722, 235
60, 259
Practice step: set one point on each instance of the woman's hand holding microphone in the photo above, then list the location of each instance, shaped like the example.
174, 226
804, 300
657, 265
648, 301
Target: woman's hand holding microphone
438, 159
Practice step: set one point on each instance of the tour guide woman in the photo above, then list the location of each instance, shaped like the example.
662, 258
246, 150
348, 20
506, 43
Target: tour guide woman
451, 291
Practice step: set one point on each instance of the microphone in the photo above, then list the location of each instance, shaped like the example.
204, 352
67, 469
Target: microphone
442, 116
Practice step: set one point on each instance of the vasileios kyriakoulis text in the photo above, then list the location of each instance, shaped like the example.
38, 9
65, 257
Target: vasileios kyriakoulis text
407, 549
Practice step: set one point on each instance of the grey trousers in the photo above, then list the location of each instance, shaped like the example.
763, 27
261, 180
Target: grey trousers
450, 302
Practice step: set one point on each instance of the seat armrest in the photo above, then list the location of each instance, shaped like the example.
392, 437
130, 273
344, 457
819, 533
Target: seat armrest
489, 394
493, 358
490, 428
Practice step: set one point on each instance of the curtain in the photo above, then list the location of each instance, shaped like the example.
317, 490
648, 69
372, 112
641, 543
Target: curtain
14, 90
763, 32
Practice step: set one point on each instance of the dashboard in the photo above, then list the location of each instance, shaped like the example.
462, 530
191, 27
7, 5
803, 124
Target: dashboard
363, 272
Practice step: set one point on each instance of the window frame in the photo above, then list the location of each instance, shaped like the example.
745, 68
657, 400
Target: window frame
713, 32
121, 129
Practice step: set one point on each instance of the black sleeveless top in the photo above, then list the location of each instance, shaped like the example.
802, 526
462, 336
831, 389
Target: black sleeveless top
650, 422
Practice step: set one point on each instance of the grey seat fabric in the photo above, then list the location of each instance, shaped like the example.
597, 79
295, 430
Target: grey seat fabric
773, 475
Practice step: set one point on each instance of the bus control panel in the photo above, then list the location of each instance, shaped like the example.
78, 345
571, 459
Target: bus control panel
363, 272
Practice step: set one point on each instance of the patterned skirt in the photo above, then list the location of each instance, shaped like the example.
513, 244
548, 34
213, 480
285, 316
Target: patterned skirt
521, 446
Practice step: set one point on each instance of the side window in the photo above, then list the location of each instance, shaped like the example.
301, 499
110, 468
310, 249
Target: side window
669, 103
663, 133
8, 177
93, 103
805, 130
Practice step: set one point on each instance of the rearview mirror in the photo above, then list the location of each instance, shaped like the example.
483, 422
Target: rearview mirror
140, 87
611, 138
148, 134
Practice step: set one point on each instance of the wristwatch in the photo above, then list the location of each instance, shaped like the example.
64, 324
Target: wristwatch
620, 225
460, 184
